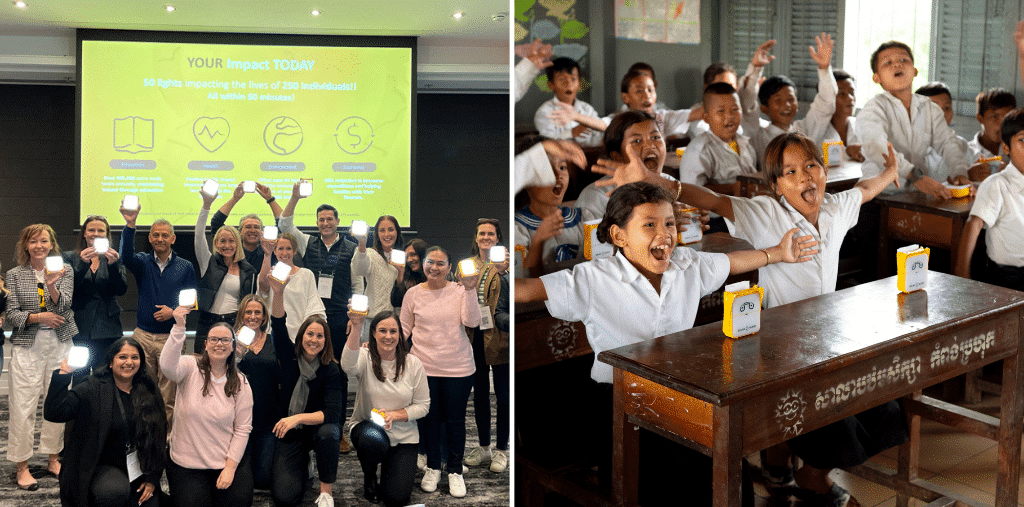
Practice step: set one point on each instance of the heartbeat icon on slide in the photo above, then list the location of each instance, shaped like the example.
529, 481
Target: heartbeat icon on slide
211, 133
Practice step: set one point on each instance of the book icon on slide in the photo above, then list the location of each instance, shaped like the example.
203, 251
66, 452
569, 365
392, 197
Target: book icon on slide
133, 134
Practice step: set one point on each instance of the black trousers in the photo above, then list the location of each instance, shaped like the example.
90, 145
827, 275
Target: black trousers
291, 461
110, 488
397, 471
198, 488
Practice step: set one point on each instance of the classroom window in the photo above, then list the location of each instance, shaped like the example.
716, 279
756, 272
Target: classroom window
869, 23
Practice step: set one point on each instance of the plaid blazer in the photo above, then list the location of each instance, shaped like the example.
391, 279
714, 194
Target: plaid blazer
24, 301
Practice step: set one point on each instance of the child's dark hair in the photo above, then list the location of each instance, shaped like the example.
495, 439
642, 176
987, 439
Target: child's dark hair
616, 130
773, 155
526, 142
1012, 124
714, 70
562, 64
621, 204
995, 98
716, 89
771, 86
934, 89
633, 74
889, 45
643, 67
841, 74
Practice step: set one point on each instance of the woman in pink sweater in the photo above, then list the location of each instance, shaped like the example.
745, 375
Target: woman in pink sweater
435, 315
212, 420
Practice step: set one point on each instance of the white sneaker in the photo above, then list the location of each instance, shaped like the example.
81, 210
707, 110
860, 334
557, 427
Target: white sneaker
430, 478
465, 469
325, 500
421, 461
456, 485
477, 455
499, 461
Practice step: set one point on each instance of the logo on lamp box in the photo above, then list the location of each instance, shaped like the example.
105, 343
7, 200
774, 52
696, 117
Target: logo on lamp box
747, 306
916, 266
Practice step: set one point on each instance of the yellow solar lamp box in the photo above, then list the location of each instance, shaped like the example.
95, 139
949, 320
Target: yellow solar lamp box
912, 268
832, 151
592, 248
742, 309
693, 232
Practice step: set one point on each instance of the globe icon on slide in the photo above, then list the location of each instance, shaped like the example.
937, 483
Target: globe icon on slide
283, 135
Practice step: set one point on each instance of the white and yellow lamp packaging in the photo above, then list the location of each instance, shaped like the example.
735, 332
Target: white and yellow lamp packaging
958, 191
692, 232
912, 268
742, 309
467, 267
832, 151
360, 303
592, 248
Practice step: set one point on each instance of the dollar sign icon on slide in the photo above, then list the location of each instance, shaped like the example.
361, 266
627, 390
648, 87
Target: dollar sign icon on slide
354, 135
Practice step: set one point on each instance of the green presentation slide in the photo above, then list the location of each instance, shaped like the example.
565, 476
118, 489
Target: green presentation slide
158, 119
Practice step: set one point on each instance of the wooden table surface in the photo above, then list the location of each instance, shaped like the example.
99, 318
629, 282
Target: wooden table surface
916, 217
814, 362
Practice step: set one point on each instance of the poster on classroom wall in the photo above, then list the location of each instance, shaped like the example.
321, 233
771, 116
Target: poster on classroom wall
560, 24
675, 22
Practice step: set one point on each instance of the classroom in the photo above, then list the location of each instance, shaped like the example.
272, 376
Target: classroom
767, 253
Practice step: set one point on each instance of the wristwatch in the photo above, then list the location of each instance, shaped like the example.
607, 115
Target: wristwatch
915, 174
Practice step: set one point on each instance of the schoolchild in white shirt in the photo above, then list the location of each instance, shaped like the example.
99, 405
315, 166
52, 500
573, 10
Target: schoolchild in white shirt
910, 122
843, 126
718, 72
648, 289
716, 157
777, 98
795, 170
993, 105
564, 81
941, 95
639, 92
999, 208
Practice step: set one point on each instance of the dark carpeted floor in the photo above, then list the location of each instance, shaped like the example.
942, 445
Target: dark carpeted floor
484, 487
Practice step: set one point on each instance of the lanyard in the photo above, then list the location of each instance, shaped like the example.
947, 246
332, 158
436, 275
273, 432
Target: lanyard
124, 418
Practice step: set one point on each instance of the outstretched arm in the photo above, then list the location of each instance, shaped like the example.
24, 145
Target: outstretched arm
871, 187
530, 289
790, 249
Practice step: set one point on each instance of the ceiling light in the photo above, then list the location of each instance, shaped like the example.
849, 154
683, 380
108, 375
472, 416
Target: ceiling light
457, 15
500, 16
19, 4
169, 8
315, 12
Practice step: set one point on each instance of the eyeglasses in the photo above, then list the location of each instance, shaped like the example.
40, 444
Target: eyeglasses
223, 341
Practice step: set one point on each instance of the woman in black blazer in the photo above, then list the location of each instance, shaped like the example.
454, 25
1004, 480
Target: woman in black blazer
116, 408
99, 279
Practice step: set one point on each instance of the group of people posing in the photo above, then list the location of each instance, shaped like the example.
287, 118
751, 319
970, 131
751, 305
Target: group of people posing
274, 351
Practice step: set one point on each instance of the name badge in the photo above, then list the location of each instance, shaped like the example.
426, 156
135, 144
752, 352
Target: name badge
486, 321
134, 469
324, 286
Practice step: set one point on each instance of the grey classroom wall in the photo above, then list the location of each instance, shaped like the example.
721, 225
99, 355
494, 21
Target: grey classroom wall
461, 170
679, 67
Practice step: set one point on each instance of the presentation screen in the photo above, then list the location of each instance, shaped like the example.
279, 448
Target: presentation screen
159, 118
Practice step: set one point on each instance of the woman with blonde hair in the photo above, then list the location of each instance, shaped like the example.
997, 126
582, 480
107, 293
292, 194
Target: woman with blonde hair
39, 310
224, 279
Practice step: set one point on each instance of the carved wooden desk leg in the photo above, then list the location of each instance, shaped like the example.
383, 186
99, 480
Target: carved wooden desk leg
1010, 414
907, 455
626, 449
727, 455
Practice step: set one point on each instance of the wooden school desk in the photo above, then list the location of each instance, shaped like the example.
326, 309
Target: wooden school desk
840, 178
546, 349
815, 362
919, 218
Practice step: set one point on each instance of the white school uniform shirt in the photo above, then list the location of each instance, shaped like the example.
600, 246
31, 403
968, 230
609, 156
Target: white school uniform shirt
710, 159
884, 119
813, 125
552, 130
831, 134
620, 307
593, 201
936, 165
525, 71
763, 222
1000, 204
533, 169
558, 248
975, 151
